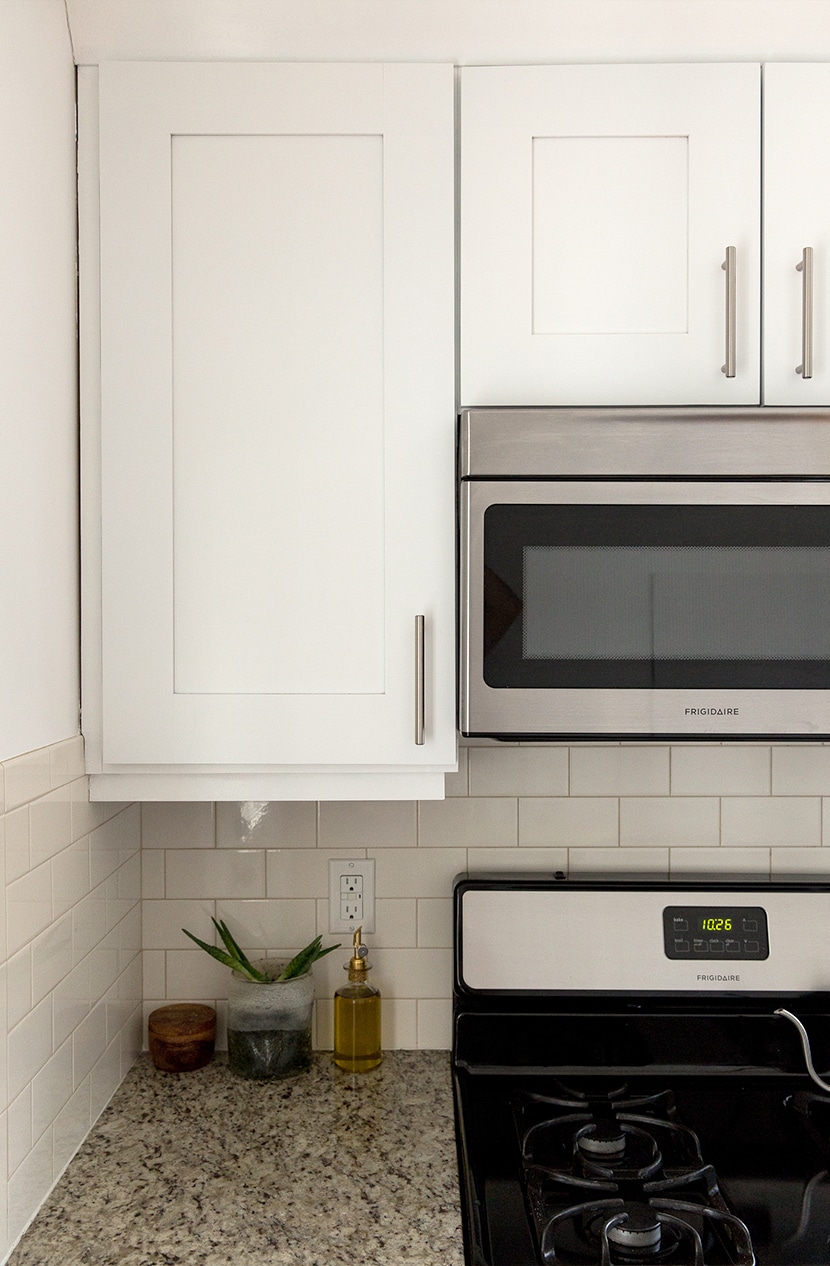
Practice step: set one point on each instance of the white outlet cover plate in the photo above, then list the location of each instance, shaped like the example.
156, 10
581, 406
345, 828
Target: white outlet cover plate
352, 866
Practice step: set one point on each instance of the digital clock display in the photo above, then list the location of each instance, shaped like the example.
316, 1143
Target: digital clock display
716, 933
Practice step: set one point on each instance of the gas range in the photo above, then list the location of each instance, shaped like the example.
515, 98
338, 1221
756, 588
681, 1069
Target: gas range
666, 1119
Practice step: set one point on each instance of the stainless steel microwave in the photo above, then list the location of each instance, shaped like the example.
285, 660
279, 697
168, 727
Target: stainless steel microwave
644, 573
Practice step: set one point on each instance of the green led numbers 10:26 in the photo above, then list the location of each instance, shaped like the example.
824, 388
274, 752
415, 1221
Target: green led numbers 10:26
716, 925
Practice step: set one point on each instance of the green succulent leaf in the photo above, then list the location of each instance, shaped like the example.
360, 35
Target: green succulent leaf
234, 957
237, 953
301, 962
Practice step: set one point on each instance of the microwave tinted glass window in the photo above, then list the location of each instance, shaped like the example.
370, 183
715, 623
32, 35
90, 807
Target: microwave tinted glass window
657, 596
676, 602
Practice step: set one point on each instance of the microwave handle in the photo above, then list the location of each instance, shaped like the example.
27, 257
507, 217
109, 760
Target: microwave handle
729, 266
420, 704
806, 270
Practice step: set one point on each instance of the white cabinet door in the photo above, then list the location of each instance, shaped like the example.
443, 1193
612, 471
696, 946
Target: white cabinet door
597, 203
796, 220
276, 416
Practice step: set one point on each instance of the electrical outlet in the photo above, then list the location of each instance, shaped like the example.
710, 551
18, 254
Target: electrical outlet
352, 894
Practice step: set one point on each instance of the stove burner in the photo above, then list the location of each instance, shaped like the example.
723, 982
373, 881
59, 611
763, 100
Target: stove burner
637, 1229
631, 1233
644, 1195
611, 1149
604, 1139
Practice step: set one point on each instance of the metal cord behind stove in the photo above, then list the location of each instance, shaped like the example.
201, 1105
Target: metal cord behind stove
805, 1044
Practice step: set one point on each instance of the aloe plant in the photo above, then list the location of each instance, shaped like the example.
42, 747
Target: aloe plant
235, 958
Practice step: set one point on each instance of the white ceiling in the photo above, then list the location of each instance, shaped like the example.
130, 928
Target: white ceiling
463, 31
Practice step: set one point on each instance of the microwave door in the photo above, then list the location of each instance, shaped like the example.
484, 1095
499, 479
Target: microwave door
643, 608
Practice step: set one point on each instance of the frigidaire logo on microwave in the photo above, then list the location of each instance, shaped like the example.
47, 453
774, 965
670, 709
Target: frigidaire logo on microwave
711, 712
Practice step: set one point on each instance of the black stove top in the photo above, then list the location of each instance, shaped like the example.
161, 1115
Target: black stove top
641, 1129
725, 1173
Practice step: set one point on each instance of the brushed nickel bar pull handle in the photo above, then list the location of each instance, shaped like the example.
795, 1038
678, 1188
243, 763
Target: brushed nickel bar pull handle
729, 266
420, 705
806, 269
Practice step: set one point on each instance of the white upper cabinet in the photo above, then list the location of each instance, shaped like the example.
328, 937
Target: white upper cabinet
796, 234
597, 206
269, 446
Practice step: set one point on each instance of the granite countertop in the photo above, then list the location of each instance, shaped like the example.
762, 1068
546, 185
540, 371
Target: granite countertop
206, 1169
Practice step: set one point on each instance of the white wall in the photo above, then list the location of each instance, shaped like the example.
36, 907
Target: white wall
38, 409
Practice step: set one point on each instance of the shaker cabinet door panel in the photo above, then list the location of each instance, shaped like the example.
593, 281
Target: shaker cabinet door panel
796, 234
597, 203
276, 438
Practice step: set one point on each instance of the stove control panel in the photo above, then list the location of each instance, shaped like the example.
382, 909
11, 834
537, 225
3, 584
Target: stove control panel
714, 933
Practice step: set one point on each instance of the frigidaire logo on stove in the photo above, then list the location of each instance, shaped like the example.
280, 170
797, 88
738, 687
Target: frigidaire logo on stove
712, 712
713, 976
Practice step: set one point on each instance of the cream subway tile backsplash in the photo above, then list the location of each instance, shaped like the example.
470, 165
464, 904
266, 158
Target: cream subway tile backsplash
458, 784
50, 954
27, 778
395, 923
70, 877
216, 872
722, 770
29, 1046
475, 822
192, 975
19, 986
28, 907
89, 1042
387, 823
522, 771
20, 1128
434, 1023
295, 873
787, 821
16, 833
265, 925
155, 974
70, 980
52, 1089
650, 821
435, 922
66, 762
800, 861
801, 770
587, 861
427, 872
619, 771
152, 873
71, 1001
524, 859
50, 825
163, 922
257, 824
747, 861
565, 822
177, 826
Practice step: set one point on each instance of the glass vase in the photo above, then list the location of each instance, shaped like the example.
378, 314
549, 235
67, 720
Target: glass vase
269, 1024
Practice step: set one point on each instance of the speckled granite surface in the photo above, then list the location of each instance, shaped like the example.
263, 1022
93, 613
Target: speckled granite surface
205, 1169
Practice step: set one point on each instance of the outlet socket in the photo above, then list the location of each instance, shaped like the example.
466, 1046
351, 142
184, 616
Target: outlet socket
352, 894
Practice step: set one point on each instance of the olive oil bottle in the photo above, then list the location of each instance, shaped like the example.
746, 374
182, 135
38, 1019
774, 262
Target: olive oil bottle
357, 1016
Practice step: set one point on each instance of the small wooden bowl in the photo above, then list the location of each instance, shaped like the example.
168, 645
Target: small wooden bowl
182, 1036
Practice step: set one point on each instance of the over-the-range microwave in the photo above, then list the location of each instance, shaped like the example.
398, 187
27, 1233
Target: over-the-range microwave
644, 573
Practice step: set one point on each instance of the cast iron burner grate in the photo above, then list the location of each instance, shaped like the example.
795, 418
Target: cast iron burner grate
647, 1196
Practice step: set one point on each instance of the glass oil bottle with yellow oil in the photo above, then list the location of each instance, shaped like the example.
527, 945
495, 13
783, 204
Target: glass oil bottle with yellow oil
357, 1015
